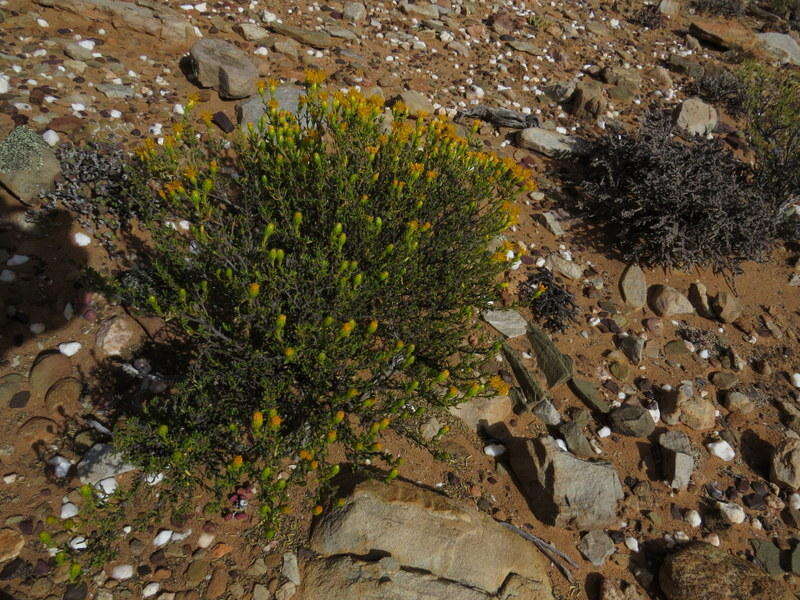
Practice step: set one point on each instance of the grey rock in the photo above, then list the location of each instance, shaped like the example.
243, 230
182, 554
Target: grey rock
508, 322
785, 464
261, 592
252, 32
590, 394
549, 220
670, 8
666, 301
354, 11
738, 402
547, 412
632, 346
768, 554
782, 46
633, 420
77, 52
531, 389
678, 460
287, 96
576, 442
596, 546
698, 296
422, 9
557, 367
430, 429
287, 46
589, 99
309, 37
416, 102
425, 531
220, 65
562, 266
101, 462
28, 166
115, 90
569, 491
547, 142
727, 307
290, 568
633, 286
696, 117
341, 32
487, 414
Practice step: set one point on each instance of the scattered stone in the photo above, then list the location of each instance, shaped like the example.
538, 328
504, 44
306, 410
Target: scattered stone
567, 268
633, 420
309, 37
695, 117
721, 449
583, 493
48, 369
354, 12
596, 546
700, 571
220, 65
667, 301
589, 99
588, 392
252, 32
117, 336
678, 460
736, 402
769, 555
556, 366
785, 465
633, 286
508, 322
724, 380
484, 414
727, 307
632, 346
551, 222
416, 103
577, 443
547, 412
28, 166
727, 34
782, 46
547, 142
732, 512
122, 572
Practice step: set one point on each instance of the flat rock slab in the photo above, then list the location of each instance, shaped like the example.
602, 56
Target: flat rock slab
484, 413
309, 37
48, 369
28, 166
508, 322
547, 142
426, 531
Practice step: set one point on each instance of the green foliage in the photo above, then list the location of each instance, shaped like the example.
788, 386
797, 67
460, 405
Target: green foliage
326, 284
772, 107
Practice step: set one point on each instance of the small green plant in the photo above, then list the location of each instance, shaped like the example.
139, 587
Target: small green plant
326, 278
772, 108
538, 22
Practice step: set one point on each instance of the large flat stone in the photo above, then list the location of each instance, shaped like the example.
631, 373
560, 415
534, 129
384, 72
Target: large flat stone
425, 531
28, 166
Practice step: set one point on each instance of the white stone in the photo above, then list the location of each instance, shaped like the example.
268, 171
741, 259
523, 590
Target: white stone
796, 380
693, 518
721, 449
61, 466
604, 432
3, 84
81, 239
69, 348
37, 328
108, 485
78, 543
163, 537
713, 539
17, 260
87, 44
151, 589
154, 478
794, 501
494, 449
732, 512
632, 544
205, 540
68, 510
122, 572
51, 137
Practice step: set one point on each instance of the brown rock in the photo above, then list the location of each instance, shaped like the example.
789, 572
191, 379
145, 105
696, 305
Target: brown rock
117, 336
11, 543
700, 571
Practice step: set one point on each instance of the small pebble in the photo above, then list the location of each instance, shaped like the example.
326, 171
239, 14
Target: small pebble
68, 510
69, 348
494, 450
693, 518
721, 449
163, 537
81, 239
